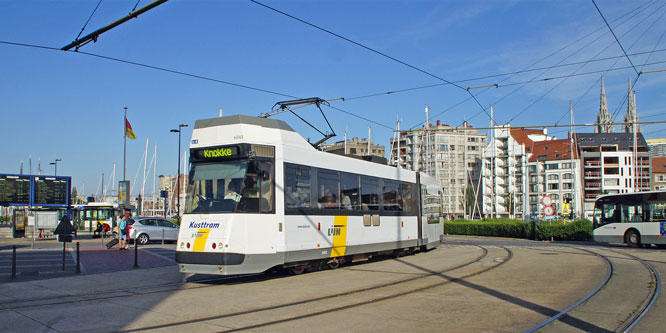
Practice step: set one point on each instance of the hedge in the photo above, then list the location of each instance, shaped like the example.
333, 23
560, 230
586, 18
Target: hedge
578, 230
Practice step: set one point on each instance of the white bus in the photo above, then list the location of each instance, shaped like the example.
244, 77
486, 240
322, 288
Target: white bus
260, 196
632, 218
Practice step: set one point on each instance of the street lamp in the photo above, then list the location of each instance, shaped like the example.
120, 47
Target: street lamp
178, 177
56, 165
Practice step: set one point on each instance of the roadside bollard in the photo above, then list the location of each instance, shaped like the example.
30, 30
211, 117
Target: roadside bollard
162, 237
14, 263
136, 254
78, 259
64, 247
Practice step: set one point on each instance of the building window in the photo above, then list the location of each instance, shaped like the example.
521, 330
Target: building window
552, 166
553, 186
553, 177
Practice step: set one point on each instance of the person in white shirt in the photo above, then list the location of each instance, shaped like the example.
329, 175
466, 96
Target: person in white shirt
232, 192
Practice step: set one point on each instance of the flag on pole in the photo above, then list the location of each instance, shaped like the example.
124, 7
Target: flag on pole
128, 130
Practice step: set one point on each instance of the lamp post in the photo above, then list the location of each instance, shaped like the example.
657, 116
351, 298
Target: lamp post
56, 165
178, 176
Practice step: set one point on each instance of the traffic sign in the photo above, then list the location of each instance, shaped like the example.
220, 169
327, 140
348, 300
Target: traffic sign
548, 210
547, 200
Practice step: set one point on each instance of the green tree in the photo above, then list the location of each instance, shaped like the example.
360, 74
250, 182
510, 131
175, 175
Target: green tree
75, 197
470, 199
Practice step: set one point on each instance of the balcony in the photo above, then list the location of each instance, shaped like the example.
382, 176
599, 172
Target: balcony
592, 174
592, 164
592, 185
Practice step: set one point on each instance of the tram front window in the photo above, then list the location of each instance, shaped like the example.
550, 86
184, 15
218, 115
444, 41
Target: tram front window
239, 186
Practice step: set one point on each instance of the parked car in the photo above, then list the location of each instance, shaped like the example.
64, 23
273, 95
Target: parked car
145, 229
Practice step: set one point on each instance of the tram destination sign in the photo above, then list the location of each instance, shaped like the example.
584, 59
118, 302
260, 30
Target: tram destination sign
217, 153
51, 191
14, 190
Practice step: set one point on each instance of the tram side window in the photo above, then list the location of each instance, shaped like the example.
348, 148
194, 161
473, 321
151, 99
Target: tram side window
257, 189
329, 189
369, 193
297, 186
406, 197
391, 196
350, 191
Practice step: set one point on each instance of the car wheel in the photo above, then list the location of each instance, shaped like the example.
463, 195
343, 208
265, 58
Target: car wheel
632, 238
143, 239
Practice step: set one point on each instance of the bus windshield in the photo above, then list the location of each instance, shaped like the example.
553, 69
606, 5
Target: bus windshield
244, 186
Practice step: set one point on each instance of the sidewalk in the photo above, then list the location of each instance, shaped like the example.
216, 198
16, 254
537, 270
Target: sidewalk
44, 261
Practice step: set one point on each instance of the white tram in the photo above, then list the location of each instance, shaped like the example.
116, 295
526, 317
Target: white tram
260, 196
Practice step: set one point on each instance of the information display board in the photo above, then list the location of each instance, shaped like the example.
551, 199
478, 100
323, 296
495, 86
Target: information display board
14, 190
50, 191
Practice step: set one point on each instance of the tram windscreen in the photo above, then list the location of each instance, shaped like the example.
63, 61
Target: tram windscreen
230, 187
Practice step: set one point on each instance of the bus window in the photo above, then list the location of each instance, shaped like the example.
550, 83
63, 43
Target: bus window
656, 212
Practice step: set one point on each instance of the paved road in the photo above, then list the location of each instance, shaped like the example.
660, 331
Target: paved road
467, 284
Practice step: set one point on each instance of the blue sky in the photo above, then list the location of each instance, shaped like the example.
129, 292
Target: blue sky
57, 104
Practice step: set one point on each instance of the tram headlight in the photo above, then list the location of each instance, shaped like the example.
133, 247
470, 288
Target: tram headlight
182, 245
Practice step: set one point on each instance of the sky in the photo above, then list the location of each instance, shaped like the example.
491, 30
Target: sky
396, 57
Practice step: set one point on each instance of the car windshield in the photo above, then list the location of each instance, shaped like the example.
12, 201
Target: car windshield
227, 187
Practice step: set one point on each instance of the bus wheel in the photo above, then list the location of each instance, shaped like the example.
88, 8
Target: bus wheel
632, 239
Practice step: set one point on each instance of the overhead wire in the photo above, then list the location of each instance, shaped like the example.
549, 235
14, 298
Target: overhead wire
499, 85
633, 85
581, 67
180, 73
580, 98
614, 36
616, 113
634, 11
374, 51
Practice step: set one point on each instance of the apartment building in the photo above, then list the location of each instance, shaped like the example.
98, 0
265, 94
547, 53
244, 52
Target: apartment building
554, 171
355, 147
657, 147
452, 154
608, 165
659, 173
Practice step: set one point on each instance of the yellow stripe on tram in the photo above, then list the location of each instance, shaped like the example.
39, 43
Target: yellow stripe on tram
339, 236
200, 241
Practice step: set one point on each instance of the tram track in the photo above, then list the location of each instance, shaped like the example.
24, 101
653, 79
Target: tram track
370, 298
632, 318
162, 288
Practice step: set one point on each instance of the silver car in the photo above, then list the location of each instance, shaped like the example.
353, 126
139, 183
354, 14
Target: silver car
145, 229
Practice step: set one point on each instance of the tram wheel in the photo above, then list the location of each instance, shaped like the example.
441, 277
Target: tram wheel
297, 270
333, 264
632, 238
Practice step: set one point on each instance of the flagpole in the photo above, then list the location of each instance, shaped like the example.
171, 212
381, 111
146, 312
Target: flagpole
125, 144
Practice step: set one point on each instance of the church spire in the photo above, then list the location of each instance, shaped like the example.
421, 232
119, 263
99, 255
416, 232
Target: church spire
632, 116
604, 119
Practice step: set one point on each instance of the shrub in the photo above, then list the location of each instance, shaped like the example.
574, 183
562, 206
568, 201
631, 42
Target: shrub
578, 230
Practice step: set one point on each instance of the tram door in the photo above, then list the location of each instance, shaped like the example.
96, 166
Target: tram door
422, 218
